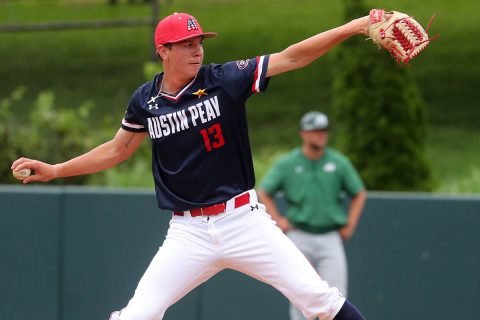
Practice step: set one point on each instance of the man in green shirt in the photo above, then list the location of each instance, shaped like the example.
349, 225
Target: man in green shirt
314, 179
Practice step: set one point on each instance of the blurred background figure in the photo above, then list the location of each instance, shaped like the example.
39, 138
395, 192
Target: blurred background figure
313, 179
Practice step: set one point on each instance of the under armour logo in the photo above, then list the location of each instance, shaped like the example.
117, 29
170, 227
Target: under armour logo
153, 106
254, 207
191, 25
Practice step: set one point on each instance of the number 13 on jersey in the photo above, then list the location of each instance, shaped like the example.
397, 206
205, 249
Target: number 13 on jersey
213, 137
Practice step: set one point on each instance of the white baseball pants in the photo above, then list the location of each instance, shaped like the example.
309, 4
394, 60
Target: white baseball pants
245, 239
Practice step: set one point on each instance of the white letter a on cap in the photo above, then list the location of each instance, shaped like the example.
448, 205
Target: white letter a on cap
191, 25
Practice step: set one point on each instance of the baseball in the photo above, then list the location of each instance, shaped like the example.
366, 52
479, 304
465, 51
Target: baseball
22, 174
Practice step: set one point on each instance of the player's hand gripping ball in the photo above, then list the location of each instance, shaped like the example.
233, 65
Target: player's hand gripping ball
400, 34
21, 174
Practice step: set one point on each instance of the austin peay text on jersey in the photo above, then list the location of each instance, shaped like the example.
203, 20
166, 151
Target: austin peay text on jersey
170, 123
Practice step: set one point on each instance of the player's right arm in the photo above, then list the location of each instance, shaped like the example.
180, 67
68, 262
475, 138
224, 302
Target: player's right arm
103, 157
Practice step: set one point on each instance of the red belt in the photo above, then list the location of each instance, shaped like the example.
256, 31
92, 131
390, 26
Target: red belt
239, 201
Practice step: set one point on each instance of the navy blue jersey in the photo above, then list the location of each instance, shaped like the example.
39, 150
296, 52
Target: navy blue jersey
200, 146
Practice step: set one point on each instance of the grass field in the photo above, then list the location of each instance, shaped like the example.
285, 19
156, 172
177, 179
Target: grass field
105, 66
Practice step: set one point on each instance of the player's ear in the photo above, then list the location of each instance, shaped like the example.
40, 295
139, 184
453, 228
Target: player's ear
162, 51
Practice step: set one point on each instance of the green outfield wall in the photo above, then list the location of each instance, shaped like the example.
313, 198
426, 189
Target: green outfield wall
77, 253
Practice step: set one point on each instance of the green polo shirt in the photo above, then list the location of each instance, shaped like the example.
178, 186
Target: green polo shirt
313, 188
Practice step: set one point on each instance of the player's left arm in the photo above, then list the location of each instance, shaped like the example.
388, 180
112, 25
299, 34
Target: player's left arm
354, 212
305, 52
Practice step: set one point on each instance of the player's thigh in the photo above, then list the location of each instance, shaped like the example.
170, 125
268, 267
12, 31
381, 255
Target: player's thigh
274, 259
182, 263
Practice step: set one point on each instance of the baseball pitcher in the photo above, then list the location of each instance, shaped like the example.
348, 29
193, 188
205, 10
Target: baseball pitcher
195, 118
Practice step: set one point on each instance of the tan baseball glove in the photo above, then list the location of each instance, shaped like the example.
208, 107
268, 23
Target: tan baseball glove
398, 33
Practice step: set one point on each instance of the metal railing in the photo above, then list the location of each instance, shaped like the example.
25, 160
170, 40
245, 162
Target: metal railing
91, 24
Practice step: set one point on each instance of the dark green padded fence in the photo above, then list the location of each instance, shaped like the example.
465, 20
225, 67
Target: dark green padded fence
78, 253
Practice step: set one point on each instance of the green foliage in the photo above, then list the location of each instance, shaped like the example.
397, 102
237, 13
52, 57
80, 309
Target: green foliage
469, 183
382, 116
106, 66
49, 134
454, 159
54, 135
7, 134
135, 173
150, 69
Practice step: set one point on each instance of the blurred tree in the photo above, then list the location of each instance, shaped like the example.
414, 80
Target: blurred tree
49, 134
381, 114
54, 135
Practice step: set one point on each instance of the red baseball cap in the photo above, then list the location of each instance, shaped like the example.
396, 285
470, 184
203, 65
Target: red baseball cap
177, 27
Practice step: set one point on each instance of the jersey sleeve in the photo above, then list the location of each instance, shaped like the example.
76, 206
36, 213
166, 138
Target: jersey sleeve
352, 182
274, 179
131, 122
242, 78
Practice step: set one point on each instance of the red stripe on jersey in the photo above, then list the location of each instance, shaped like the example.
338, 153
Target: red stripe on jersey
255, 77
